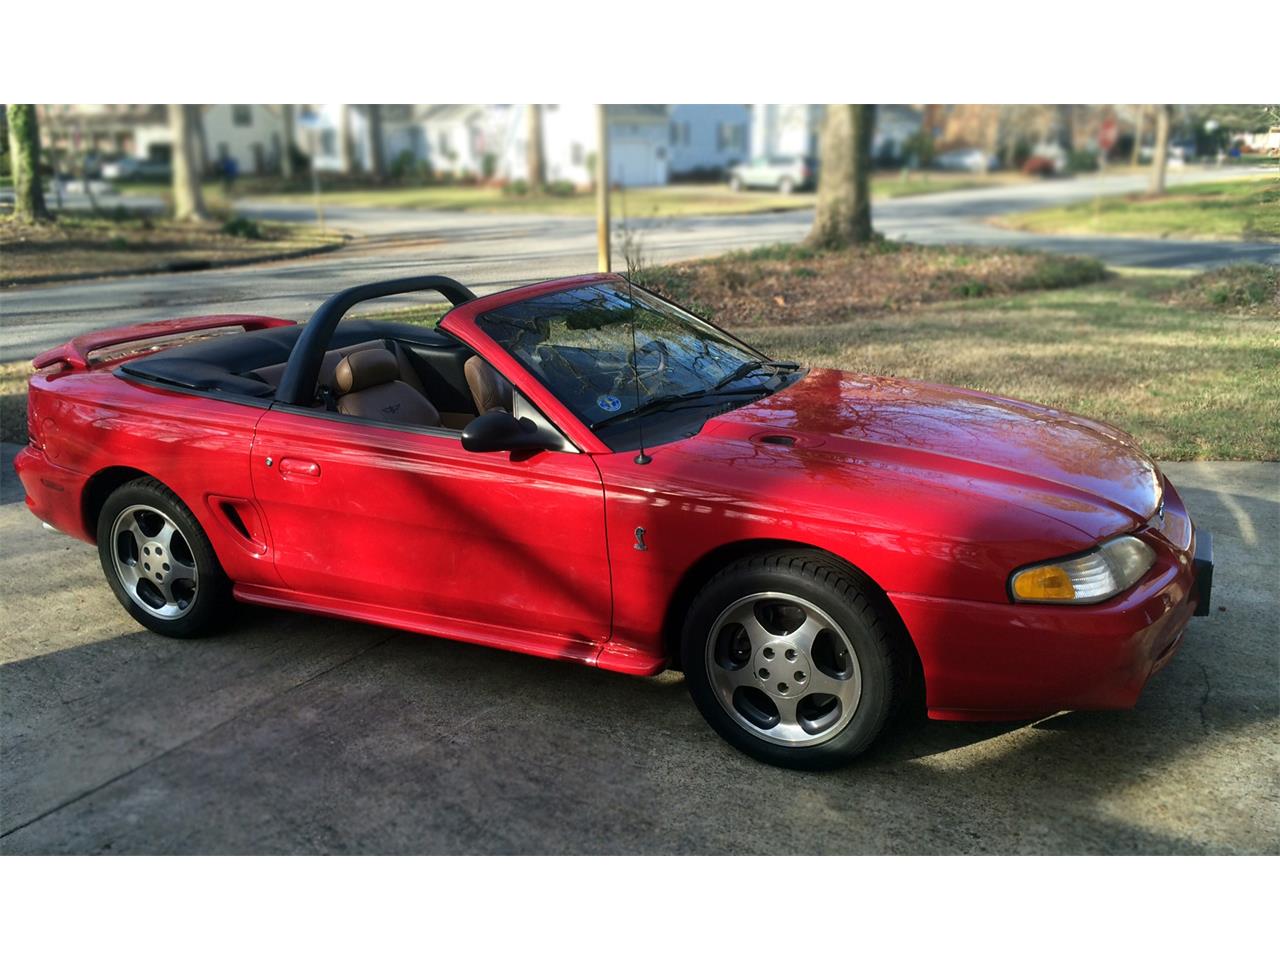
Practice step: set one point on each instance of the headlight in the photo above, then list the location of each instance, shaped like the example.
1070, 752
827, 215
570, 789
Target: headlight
1112, 568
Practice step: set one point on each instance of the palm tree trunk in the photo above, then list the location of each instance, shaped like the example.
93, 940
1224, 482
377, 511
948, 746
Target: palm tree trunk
188, 198
24, 161
843, 214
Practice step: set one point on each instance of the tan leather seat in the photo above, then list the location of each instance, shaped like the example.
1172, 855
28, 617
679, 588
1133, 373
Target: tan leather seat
368, 386
329, 365
489, 388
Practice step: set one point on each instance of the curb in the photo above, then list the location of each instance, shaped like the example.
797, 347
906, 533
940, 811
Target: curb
177, 266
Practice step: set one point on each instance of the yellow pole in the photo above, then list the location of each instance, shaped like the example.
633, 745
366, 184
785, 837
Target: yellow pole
603, 260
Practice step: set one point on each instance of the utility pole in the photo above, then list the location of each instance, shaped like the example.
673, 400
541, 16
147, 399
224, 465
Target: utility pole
603, 259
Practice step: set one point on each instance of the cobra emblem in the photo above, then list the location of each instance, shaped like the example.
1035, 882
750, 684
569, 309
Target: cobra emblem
640, 544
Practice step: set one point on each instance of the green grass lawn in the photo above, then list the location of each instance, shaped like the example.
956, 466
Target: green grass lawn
1189, 383
679, 200
1245, 209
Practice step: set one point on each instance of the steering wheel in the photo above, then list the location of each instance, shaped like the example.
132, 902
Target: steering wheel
633, 371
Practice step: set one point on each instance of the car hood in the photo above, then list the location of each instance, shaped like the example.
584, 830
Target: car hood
1084, 466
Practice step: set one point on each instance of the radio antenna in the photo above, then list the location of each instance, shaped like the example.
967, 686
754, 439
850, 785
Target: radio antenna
642, 458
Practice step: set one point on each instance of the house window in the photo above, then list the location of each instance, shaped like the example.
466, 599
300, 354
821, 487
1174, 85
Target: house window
731, 136
575, 154
241, 115
675, 133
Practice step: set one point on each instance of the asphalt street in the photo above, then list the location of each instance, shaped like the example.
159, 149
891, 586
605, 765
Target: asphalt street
296, 734
492, 251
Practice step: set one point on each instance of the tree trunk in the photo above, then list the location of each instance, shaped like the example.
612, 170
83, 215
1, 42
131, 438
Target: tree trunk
345, 147
533, 146
1137, 137
200, 145
1160, 161
24, 162
188, 199
286, 152
376, 158
843, 214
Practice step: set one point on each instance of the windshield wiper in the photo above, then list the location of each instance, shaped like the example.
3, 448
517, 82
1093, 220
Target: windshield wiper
750, 367
714, 392
666, 403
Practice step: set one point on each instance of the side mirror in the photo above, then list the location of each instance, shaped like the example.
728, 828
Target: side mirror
498, 430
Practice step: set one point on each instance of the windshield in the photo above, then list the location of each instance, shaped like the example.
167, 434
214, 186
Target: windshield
579, 343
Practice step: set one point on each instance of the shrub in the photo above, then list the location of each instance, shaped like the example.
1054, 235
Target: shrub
1240, 286
517, 188
561, 188
403, 165
488, 166
1054, 272
242, 227
1082, 161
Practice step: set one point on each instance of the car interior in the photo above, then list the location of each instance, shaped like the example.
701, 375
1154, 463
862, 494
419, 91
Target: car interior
392, 373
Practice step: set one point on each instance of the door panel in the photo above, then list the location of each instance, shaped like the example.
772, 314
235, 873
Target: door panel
412, 521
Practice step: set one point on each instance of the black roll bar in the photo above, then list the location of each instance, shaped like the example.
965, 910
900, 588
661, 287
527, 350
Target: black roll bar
298, 385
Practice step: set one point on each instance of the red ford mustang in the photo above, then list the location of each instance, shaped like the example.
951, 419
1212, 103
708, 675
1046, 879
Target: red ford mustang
583, 470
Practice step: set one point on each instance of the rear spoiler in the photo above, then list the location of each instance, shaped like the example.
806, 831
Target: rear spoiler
75, 354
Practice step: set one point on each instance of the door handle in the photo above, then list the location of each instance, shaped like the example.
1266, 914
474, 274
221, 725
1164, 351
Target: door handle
292, 469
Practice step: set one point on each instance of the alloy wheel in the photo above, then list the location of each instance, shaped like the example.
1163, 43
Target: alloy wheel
783, 669
154, 562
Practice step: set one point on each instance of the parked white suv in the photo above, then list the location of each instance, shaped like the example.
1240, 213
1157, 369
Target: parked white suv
783, 174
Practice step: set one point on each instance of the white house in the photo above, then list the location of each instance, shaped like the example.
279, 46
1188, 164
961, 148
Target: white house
468, 138
251, 133
638, 144
792, 129
708, 138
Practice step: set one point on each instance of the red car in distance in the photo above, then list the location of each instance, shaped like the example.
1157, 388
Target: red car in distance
582, 470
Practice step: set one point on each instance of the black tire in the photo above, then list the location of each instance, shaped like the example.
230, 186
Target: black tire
211, 598
836, 589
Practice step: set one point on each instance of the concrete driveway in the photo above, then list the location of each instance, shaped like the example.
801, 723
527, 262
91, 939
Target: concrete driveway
294, 734
493, 251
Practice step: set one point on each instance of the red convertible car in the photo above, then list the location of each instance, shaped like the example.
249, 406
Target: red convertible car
582, 470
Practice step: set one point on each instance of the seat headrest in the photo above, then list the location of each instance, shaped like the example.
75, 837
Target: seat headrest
365, 369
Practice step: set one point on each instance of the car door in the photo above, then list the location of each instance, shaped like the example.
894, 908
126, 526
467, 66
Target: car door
405, 519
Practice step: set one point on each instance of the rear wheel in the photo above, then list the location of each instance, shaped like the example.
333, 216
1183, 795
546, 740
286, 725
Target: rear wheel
786, 185
735, 183
159, 562
791, 660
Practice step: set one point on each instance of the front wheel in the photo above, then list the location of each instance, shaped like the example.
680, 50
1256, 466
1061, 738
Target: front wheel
735, 184
786, 186
792, 660
159, 562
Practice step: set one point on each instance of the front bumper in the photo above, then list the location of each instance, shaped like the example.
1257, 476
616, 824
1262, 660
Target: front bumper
992, 661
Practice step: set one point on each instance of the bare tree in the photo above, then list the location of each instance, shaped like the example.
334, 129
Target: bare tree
843, 214
533, 146
188, 198
201, 141
286, 151
1160, 162
346, 148
376, 158
24, 161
